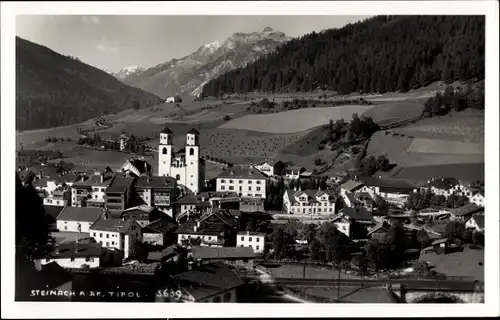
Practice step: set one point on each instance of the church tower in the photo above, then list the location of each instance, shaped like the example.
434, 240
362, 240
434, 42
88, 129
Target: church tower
165, 152
193, 160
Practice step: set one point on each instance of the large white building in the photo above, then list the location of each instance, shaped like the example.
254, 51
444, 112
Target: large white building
77, 219
252, 239
246, 182
309, 202
185, 165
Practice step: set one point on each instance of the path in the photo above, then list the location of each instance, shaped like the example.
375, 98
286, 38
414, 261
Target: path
267, 278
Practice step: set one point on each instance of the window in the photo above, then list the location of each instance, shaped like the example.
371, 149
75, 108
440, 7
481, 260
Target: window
222, 188
249, 194
222, 181
241, 246
257, 248
242, 238
241, 181
217, 299
209, 238
250, 239
241, 188
258, 181
112, 243
231, 188
258, 188
133, 228
100, 235
164, 151
57, 201
177, 177
102, 189
107, 244
249, 188
96, 189
107, 235
95, 234
72, 259
191, 151
95, 197
249, 181
257, 239
230, 181
227, 296
164, 162
65, 227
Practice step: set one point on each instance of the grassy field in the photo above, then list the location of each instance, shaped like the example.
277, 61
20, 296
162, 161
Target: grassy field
420, 145
391, 112
294, 120
461, 264
462, 171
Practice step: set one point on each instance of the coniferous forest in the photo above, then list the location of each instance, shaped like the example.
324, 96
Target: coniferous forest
380, 54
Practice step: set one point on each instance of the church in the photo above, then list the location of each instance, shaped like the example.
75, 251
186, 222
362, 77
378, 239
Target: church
184, 165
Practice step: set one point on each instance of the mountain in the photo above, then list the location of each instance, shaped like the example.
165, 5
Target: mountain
55, 90
127, 71
381, 54
190, 73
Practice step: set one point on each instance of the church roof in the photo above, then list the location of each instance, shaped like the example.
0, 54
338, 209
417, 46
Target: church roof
193, 131
167, 130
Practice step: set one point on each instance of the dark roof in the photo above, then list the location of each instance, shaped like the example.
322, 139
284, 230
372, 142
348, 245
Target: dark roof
68, 249
69, 178
467, 209
207, 253
224, 216
95, 180
312, 194
208, 280
242, 173
358, 213
251, 233
390, 183
167, 130
160, 226
80, 214
352, 185
380, 226
197, 199
112, 224
53, 211
26, 176
444, 183
212, 229
165, 253
155, 182
193, 131
120, 185
141, 165
479, 218
54, 275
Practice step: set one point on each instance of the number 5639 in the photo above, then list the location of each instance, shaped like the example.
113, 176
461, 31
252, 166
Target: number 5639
169, 293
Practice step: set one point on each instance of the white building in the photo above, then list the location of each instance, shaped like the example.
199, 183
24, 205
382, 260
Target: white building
351, 186
59, 197
159, 192
266, 169
443, 186
116, 233
309, 202
343, 225
185, 165
252, 239
77, 219
136, 167
394, 191
294, 172
170, 100
246, 182
476, 223
90, 191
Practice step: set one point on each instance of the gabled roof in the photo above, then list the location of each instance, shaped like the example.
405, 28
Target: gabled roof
479, 218
358, 213
167, 130
26, 176
193, 131
120, 185
84, 214
112, 224
156, 182
444, 183
53, 211
165, 253
311, 194
380, 226
73, 249
207, 253
467, 209
160, 226
352, 185
208, 280
240, 172
389, 183
224, 216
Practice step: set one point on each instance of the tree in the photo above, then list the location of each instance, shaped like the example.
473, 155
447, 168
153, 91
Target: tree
195, 241
467, 236
438, 200
314, 249
333, 241
381, 205
423, 238
454, 230
478, 238
227, 117
452, 200
382, 162
396, 241
279, 245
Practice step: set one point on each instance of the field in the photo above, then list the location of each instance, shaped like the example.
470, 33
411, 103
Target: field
349, 295
391, 112
294, 120
296, 271
462, 171
469, 263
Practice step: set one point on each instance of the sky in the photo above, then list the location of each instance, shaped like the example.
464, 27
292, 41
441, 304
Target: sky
111, 42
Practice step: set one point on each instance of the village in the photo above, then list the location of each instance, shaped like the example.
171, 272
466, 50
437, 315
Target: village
226, 232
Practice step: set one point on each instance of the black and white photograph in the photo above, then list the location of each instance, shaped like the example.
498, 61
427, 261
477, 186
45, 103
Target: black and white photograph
241, 154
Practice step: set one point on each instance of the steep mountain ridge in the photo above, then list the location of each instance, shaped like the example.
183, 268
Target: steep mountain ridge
189, 73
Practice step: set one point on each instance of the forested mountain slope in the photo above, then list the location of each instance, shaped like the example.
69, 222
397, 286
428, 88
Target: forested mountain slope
381, 54
55, 90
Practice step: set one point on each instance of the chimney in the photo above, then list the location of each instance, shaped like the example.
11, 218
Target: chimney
56, 248
76, 248
102, 177
198, 224
195, 228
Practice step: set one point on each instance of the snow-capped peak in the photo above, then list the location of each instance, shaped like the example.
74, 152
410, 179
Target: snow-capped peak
267, 30
131, 69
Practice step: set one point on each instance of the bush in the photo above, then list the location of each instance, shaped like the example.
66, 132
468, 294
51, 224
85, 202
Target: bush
227, 117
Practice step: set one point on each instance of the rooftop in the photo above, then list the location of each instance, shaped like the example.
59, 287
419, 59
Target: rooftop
312, 194
77, 250
160, 226
80, 214
208, 280
204, 197
167, 130
444, 183
207, 253
251, 233
467, 209
95, 180
240, 172
358, 213
479, 218
112, 224
155, 182
352, 185
120, 185
390, 183
193, 131
53, 211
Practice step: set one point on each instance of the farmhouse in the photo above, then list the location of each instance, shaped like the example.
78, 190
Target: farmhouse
136, 167
61, 196
464, 213
266, 169
294, 172
185, 165
252, 239
351, 186
26, 176
476, 222
394, 191
204, 202
159, 232
313, 202
116, 233
236, 256
143, 215
77, 219
160, 192
248, 182
119, 193
90, 192
209, 283
474, 196
79, 255
443, 186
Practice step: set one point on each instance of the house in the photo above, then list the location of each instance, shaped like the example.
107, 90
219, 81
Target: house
379, 232
90, 190
477, 199
351, 186
350, 200
116, 233
205, 202
236, 256
309, 201
358, 214
476, 223
156, 191
77, 219
294, 172
160, 232
80, 255
342, 224
465, 213
248, 182
251, 204
438, 246
252, 239
136, 167
266, 169
365, 199
61, 196
169, 254
443, 186
216, 228
209, 283
170, 100
26, 176
394, 191
119, 193
144, 215
185, 165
